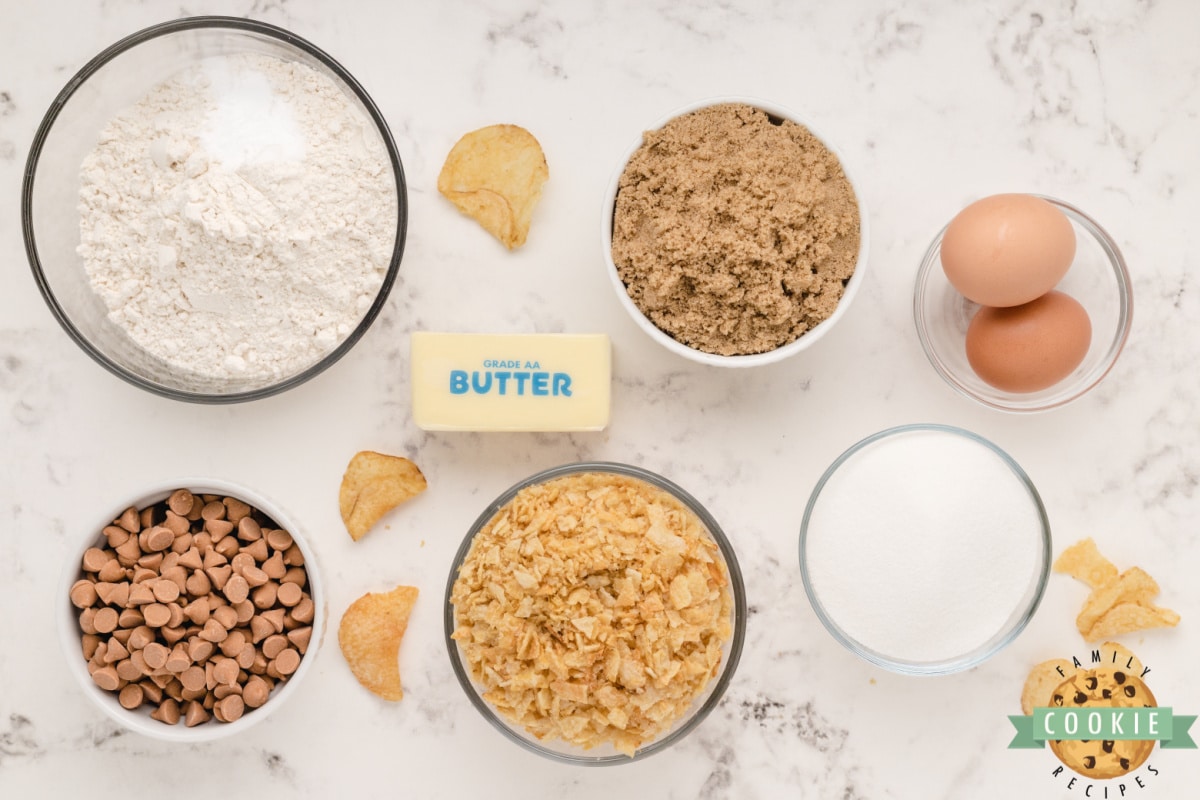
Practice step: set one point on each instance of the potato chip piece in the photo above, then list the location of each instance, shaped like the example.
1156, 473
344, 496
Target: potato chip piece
370, 634
1127, 617
1133, 586
495, 175
1042, 681
1083, 561
1115, 654
373, 485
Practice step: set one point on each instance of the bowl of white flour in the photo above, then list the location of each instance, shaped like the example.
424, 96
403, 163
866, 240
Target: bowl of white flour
214, 209
925, 549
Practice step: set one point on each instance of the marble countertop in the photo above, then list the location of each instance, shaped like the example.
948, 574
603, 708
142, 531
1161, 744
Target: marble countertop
933, 103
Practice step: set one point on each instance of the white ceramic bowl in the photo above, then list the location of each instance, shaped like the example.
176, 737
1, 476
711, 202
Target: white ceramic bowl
807, 339
139, 720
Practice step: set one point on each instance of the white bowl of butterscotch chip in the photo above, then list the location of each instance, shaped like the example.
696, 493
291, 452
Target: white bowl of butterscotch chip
192, 610
733, 233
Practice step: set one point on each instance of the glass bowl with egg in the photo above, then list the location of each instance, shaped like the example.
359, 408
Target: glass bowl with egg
733, 233
214, 209
595, 613
1045, 326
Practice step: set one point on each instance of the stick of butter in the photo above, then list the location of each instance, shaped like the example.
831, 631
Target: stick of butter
514, 382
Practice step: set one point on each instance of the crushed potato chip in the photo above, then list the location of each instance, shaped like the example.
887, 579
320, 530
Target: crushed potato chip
373, 485
1083, 561
1126, 617
1133, 586
593, 608
370, 635
1118, 603
1042, 681
495, 175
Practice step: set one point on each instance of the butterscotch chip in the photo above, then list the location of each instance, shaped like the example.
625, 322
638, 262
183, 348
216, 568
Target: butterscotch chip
131, 618
258, 550
106, 678
274, 645
300, 637
194, 714
305, 610
115, 651
230, 709
156, 615
275, 617
289, 594
287, 662
235, 509
260, 628
180, 502
370, 634
373, 485
105, 620
495, 176
236, 589
178, 525
111, 572
83, 593
279, 539
167, 712
127, 670
255, 692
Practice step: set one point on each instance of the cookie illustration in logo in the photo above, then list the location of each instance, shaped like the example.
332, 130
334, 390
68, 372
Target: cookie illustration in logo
1103, 687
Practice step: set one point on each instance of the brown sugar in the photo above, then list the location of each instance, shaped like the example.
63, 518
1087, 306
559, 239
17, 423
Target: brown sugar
734, 232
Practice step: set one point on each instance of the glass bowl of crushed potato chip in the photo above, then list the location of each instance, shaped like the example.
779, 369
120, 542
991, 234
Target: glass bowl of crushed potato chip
733, 233
595, 613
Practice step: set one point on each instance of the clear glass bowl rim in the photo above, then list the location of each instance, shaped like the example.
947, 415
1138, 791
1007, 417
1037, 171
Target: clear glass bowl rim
93, 66
968, 660
737, 588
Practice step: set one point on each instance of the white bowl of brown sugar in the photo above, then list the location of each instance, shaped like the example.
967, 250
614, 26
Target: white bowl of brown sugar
191, 611
733, 233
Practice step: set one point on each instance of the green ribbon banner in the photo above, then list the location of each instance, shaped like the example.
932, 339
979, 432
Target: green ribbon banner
1108, 724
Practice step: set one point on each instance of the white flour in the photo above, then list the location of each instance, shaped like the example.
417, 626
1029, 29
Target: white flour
239, 219
922, 545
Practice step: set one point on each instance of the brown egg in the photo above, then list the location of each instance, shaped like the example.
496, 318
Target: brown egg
1007, 249
1029, 347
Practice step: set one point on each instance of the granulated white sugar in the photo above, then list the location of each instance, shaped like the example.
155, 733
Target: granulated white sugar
239, 219
923, 545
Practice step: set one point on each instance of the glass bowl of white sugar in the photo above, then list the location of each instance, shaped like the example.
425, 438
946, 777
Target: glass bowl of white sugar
214, 209
925, 549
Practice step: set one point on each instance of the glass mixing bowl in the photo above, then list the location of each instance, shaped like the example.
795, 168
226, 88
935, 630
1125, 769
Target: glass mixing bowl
112, 81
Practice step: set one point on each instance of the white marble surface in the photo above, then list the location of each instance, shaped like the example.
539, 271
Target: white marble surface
933, 103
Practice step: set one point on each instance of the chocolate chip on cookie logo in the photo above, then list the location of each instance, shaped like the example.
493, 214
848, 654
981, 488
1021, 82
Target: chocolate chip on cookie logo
1101, 720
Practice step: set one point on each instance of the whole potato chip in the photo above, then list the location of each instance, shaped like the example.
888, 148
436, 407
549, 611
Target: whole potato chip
1134, 586
370, 635
1042, 681
373, 485
495, 175
1083, 561
1128, 617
